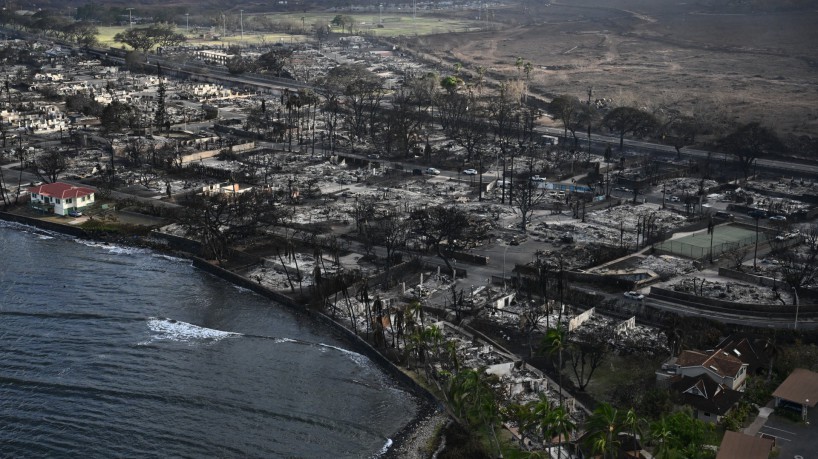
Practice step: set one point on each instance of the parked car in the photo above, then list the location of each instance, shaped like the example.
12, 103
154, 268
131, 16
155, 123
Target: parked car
432, 171
674, 199
537, 178
721, 214
778, 218
757, 214
74, 213
373, 156
470, 171
634, 296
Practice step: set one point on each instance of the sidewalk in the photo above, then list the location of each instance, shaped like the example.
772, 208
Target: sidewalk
763, 414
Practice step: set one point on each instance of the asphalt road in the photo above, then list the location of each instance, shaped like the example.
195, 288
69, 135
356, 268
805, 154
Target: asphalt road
667, 150
739, 319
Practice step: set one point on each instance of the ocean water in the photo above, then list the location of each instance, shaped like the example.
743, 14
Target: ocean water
110, 351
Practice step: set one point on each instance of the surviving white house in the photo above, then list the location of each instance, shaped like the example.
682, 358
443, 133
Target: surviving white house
60, 198
723, 366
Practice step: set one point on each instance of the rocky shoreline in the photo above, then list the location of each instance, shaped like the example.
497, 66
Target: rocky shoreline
418, 439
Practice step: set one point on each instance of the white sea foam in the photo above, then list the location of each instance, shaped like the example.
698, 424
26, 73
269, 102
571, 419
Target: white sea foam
174, 330
111, 248
170, 258
385, 448
120, 250
39, 232
360, 359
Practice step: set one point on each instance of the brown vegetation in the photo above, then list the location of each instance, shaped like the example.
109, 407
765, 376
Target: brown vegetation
752, 66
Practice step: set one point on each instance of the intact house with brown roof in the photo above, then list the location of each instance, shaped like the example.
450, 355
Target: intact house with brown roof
737, 445
798, 392
710, 400
752, 351
722, 366
60, 198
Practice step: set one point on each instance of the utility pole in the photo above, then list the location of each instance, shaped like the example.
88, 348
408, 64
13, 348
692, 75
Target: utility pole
414, 17
130, 21
187, 23
224, 22
241, 23
755, 253
590, 92
664, 199
711, 228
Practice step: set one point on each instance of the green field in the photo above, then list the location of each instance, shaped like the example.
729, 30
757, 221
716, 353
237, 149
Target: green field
106, 38
393, 25
724, 237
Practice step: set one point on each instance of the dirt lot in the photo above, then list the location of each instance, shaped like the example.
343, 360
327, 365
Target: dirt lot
748, 65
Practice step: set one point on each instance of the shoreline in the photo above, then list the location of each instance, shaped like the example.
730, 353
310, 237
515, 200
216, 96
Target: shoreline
412, 441
408, 442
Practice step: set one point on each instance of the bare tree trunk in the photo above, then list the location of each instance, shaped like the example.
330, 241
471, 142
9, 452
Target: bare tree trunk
286, 271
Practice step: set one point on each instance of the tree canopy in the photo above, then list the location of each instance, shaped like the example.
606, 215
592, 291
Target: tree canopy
146, 38
749, 142
623, 120
446, 229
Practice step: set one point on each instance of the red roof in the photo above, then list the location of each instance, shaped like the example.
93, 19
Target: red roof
61, 190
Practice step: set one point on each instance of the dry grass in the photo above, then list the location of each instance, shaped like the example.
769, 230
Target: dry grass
753, 66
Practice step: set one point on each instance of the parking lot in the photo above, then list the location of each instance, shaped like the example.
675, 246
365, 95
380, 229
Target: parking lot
794, 439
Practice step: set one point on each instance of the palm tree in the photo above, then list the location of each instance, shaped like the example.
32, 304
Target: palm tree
521, 415
604, 426
633, 424
474, 401
541, 413
561, 426
554, 342
434, 337
662, 435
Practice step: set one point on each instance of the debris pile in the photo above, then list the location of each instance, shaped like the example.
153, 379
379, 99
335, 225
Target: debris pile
666, 266
736, 292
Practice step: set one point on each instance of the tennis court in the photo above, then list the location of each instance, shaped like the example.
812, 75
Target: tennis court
724, 238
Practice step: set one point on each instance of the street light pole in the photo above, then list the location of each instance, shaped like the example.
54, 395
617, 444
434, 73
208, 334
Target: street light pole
664, 198
712, 228
755, 254
130, 20
504, 267
241, 23
187, 23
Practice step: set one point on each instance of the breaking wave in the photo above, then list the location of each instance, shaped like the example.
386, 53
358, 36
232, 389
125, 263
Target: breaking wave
113, 248
174, 330
385, 448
